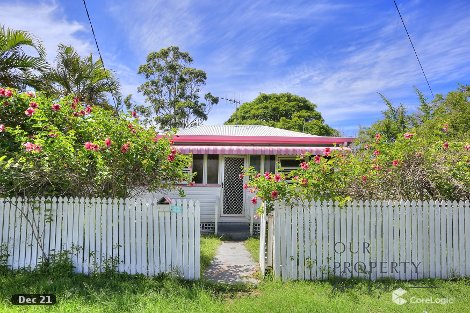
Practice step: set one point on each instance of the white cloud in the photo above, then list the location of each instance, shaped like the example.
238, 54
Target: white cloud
155, 24
345, 87
47, 22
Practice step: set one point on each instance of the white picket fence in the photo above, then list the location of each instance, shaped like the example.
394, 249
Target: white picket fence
372, 240
142, 236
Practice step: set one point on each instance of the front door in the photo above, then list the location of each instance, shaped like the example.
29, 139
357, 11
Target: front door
233, 186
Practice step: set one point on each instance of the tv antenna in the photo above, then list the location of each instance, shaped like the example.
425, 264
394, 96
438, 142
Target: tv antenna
234, 101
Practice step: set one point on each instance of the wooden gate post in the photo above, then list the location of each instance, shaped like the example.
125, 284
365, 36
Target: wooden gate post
271, 239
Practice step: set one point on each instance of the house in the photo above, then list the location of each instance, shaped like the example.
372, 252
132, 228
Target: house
220, 152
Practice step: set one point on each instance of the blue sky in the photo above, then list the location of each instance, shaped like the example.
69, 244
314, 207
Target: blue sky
338, 54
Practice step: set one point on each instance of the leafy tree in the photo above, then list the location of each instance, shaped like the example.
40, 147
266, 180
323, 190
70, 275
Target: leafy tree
395, 122
172, 90
68, 148
17, 68
284, 110
85, 78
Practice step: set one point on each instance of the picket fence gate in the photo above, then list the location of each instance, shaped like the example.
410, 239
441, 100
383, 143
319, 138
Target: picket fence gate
134, 235
371, 239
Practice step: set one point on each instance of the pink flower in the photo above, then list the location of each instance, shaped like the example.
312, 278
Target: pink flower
467, 147
88, 109
254, 200
366, 147
445, 128
408, 135
327, 151
240, 176
30, 94
52, 135
277, 177
2, 91
75, 113
74, 103
33, 105
304, 181
304, 165
245, 186
296, 177
267, 175
31, 147
134, 114
395, 162
125, 147
108, 142
445, 145
91, 146
55, 107
258, 175
364, 178
2, 128
377, 137
377, 167
8, 93
191, 184
376, 152
131, 128
274, 194
82, 113
29, 112
171, 157
317, 159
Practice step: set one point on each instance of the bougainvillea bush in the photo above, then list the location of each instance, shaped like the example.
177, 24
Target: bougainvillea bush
429, 161
69, 148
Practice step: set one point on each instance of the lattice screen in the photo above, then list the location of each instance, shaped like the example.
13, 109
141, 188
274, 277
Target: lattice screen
233, 186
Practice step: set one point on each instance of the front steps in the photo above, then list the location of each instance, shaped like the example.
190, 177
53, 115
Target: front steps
234, 231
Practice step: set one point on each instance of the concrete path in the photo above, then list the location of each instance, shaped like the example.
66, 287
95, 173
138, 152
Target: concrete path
232, 264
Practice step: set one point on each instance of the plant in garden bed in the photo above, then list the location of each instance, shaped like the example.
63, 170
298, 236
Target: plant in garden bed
428, 161
65, 147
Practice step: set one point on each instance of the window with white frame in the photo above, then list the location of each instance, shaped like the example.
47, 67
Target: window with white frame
206, 167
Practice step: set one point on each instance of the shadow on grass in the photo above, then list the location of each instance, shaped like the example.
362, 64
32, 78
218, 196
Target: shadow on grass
355, 286
115, 285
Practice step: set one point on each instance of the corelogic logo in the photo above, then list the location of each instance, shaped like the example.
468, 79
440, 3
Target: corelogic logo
397, 296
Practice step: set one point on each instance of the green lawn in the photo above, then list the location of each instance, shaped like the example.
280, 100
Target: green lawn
137, 293
252, 244
209, 245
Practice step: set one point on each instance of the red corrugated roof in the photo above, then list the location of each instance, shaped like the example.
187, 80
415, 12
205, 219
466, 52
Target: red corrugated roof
259, 140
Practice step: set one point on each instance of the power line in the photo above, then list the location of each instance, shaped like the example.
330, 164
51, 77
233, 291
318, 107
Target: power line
412, 45
98, 48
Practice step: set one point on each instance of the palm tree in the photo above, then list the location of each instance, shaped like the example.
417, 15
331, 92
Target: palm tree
87, 79
17, 68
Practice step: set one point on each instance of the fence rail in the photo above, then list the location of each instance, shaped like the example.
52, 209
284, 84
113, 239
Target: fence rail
376, 239
136, 235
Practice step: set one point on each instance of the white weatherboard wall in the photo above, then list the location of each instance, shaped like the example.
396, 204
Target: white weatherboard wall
142, 236
207, 196
372, 240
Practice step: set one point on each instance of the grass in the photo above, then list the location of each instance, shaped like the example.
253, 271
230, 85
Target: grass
137, 293
252, 244
209, 245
